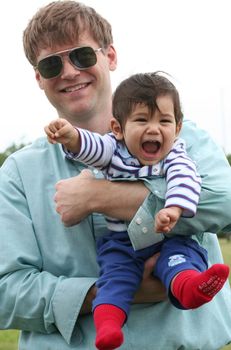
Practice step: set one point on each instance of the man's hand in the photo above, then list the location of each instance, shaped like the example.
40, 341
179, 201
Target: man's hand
151, 289
79, 196
73, 198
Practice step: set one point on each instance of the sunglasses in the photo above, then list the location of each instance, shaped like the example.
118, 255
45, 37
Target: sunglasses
80, 57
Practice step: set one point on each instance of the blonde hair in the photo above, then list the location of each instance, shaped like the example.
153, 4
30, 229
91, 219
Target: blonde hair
62, 22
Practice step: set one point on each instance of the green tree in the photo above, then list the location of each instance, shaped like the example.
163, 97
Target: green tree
11, 149
229, 158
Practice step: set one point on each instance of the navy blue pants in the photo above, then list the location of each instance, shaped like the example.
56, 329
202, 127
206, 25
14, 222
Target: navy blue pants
121, 267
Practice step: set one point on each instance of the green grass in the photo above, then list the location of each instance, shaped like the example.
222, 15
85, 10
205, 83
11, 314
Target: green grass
226, 250
9, 338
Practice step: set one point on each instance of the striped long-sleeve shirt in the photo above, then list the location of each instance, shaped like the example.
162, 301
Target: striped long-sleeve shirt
115, 161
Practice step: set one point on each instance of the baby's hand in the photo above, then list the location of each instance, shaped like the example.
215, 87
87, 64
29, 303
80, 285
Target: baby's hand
59, 130
166, 219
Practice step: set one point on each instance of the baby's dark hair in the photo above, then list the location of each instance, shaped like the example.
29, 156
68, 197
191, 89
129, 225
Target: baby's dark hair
143, 88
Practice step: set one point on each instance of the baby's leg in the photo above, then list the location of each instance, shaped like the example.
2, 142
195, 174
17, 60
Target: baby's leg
120, 276
193, 288
108, 320
183, 268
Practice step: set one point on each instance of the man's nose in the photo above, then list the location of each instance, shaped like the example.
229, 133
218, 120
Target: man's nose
69, 70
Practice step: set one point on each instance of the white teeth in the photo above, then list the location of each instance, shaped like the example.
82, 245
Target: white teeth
75, 88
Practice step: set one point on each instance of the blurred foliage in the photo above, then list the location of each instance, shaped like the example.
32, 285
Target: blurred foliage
11, 149
229, 158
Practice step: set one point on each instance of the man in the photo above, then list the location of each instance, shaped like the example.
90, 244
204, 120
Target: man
48, 271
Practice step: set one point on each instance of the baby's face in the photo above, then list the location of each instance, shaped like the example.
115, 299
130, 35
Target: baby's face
148, 137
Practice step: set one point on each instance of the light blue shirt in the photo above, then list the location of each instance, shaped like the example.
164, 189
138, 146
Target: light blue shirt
46, 269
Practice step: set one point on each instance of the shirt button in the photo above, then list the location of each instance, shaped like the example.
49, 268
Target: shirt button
138, 221
144, 229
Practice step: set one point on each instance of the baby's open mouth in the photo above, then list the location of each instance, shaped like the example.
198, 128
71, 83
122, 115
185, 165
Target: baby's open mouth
151, 146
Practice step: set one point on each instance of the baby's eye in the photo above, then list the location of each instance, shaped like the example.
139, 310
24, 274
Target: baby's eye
166, 120
140, 119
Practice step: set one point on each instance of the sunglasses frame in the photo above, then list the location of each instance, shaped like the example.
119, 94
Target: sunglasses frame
67, 53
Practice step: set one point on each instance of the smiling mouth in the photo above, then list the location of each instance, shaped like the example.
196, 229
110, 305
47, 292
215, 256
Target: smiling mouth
75, 88
151, 147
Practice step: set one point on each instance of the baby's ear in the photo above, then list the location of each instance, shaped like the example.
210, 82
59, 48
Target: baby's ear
178, 128
117, 129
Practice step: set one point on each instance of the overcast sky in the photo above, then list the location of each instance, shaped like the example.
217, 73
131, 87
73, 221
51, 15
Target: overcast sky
190, 39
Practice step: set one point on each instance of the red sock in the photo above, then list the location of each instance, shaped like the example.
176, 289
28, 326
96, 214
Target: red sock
193, 288
109, 320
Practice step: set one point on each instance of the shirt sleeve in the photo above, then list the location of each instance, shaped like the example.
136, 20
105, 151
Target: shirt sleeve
32, 298
183, 180
96, 150
214, 207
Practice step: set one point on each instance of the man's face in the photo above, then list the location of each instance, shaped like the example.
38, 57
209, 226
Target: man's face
77, 94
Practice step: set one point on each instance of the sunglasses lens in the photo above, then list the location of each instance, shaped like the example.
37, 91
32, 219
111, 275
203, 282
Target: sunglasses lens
50, 67
83, 57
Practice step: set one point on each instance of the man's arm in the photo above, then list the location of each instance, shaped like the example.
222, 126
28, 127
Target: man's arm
115, 199
38, 292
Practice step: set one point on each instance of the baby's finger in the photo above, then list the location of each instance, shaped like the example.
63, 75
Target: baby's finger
49, 132
64, 130
52, 127
162, 229
56, 125
51, 140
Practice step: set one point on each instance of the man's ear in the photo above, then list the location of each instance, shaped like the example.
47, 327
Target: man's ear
112, 57
116, 129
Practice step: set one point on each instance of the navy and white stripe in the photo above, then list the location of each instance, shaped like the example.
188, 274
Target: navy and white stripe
115, 161
183, 181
